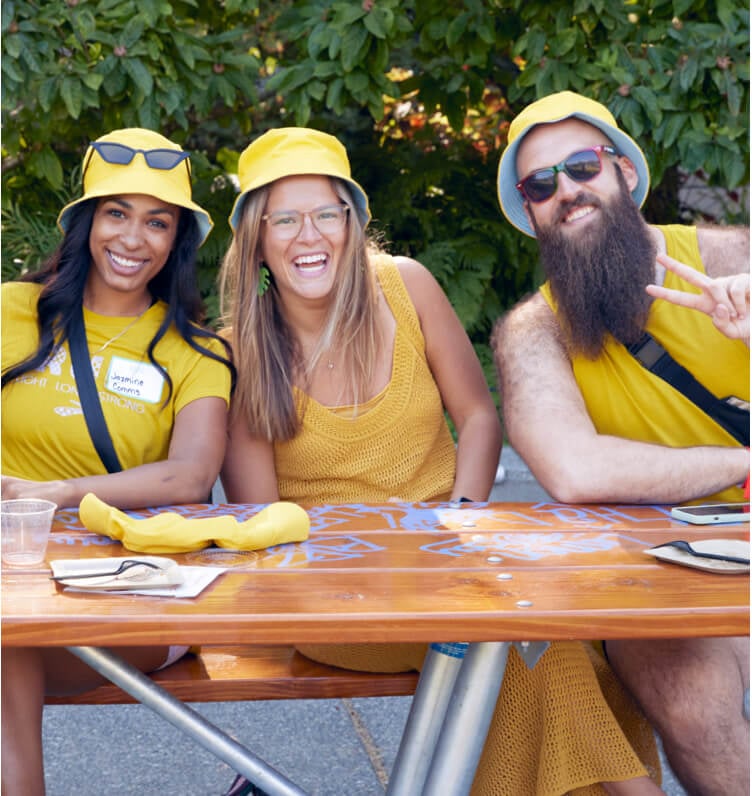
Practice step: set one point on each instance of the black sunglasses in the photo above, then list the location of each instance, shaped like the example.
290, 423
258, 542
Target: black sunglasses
122, 155
581, 166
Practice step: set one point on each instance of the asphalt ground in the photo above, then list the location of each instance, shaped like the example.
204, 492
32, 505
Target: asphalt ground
330, 747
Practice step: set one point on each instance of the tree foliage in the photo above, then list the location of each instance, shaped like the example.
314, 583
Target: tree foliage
420, 91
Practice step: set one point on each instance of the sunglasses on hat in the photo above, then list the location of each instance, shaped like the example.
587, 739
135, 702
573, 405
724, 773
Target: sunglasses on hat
122, 155
581, 166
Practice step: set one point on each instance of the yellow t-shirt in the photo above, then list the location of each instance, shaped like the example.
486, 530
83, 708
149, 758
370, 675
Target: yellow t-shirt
626, 400
397, 446
44, 434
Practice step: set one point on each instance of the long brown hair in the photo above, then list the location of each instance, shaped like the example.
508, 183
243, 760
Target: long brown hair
267, 354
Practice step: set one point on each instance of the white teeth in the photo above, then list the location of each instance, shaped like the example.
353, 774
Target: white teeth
124, 262
580, 213
310, 259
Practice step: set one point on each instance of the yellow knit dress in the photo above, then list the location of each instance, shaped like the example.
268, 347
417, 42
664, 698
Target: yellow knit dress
553, 731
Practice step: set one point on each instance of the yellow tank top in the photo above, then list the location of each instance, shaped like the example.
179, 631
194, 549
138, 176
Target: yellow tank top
398, 446
626, 400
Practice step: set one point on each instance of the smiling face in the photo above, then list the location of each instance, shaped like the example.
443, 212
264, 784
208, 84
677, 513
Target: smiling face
130, 241
575, 206
304, 267
595, 248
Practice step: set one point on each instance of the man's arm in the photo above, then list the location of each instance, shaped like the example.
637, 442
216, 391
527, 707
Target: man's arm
724, 250
725, 299
548, 425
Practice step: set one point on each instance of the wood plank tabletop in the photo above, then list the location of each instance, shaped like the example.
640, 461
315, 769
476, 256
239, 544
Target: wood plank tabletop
403, 572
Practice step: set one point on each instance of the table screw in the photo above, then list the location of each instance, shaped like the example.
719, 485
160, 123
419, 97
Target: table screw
524, 603
504, 576
468, 524
494, 559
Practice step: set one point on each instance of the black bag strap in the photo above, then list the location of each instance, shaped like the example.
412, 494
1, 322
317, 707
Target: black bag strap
89, 395
653, 356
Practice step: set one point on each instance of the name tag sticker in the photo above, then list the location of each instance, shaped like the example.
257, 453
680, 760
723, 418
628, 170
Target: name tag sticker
134, 379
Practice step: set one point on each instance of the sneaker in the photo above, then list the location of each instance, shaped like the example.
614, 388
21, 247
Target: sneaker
243, 787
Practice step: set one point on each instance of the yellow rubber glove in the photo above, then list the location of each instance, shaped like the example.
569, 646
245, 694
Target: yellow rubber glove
278, 523
170, 532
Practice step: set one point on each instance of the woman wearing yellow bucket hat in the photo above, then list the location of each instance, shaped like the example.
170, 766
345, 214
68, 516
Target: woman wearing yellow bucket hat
123, 283
347, 359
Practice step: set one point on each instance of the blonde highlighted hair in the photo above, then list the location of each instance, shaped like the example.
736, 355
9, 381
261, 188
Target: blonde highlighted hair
266, 353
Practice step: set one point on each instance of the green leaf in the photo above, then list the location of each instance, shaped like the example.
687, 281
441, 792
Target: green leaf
325, 69
726, 10
563, 42
631, 118
319, 40
379, 21
316, 89
47, 92
378, 60
682, 6
457, 28
649, 102
11, 70
45, 164
455, 109
148, 114
12, 45
139, 74
346, 14
674, 125
335, 45
70, 91
289, 79
733, 93
356, 81
734, 171
687, 74
352, 42
93, 80
132, 31
334, 99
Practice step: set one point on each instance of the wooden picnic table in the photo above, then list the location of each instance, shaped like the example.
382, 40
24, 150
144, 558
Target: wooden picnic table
489, 574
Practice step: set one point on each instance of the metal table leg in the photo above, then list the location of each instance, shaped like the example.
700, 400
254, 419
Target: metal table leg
440, 669
193, 724
467, 720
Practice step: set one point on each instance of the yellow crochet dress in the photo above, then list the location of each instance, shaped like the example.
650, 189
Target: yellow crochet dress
553, 730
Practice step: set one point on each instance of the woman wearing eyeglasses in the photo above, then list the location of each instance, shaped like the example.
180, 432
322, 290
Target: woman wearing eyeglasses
123, 284
347, 361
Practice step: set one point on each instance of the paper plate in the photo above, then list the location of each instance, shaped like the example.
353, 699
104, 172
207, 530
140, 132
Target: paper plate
168, 573
723, 547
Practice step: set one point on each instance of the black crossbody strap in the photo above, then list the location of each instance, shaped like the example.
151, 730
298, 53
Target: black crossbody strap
89, 395
653, 356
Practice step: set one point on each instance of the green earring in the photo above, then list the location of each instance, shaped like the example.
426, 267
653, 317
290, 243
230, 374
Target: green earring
264, 277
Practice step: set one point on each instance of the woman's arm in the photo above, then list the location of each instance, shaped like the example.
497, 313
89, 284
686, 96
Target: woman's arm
185, 476
248, 473
461, 382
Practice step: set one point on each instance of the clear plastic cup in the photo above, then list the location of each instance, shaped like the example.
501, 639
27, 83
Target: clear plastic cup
25, 526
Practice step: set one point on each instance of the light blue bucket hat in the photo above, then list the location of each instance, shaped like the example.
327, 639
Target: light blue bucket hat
557, 108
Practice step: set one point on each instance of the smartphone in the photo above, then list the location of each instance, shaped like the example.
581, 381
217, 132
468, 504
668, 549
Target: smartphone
712, 514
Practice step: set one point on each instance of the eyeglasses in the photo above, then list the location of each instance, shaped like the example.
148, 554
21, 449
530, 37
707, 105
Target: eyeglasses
581, 166
122, 155
288, 224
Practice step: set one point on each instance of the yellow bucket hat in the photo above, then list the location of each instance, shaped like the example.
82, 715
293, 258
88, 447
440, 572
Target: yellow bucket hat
168, 178
293, 151
556, 108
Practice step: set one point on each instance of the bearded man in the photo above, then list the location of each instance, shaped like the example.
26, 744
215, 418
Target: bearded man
596, 425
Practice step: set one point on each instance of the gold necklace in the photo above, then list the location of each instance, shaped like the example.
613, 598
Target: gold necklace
121, 332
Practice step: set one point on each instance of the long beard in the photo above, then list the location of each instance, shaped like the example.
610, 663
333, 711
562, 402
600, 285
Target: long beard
598, 279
